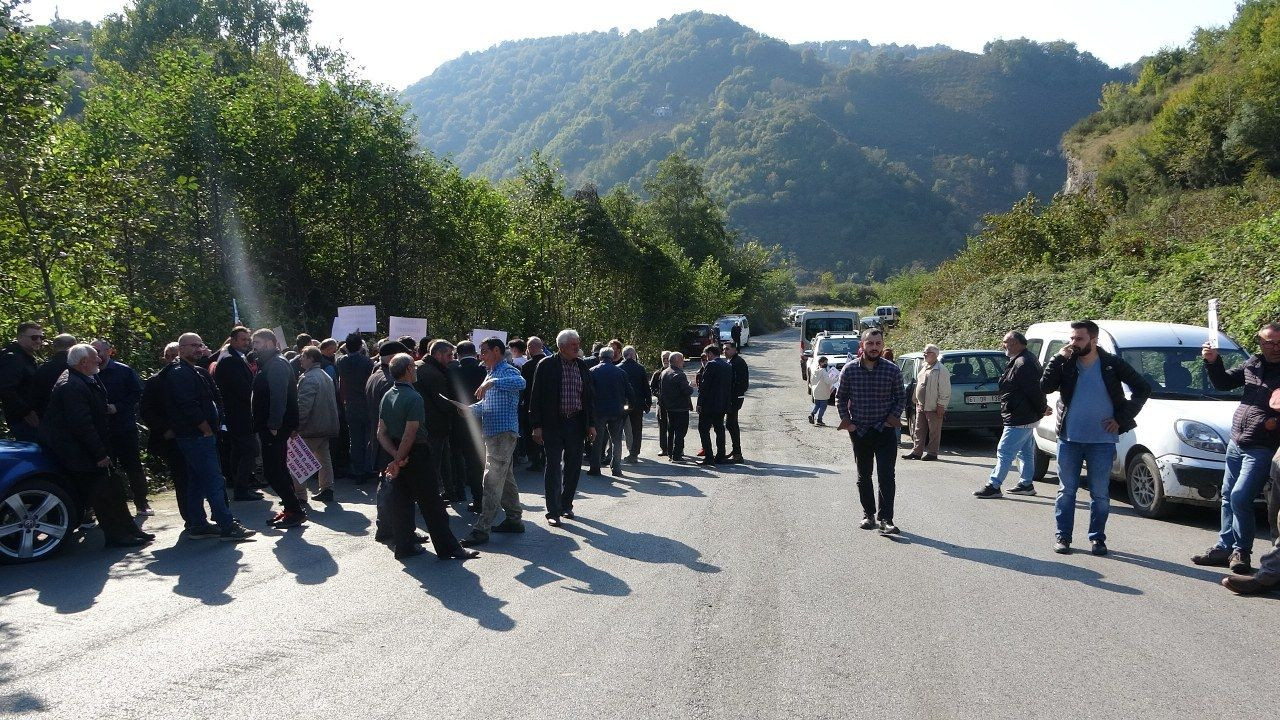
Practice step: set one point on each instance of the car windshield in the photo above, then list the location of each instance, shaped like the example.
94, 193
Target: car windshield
813, 326
974, 369
726, 324
1178, 372
838, 346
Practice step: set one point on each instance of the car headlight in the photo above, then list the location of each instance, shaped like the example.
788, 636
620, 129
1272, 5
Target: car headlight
1200, 436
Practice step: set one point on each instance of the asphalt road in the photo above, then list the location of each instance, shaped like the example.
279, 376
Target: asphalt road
678, 593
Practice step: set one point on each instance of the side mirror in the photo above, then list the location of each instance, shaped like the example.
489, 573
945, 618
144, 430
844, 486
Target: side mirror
808, 353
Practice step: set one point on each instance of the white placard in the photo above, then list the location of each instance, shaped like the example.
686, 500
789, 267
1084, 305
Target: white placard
342, 327
479, 335
415, 328
301, 461
1213, 323
365, 317
279, 331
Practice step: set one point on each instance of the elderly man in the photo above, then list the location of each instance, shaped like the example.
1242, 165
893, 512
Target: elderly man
613, 394
535, 452
655, 386
124, 390
933, 393
275, 418
1255, 435
641, 401
498, 408
674, 393
74, 428
1022, 404
318, 417
870, 400
17, 372
193, 416
402, 434
51, 369
562, 413
235, 382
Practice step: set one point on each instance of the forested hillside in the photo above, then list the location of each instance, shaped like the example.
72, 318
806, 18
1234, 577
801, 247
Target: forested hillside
1179, 202
850, 156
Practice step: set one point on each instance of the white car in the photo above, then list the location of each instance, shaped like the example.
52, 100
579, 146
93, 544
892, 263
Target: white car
724, 326
1177, 452
837, 348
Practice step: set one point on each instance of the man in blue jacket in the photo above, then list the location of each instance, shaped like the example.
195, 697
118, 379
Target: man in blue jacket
642, 400
714, 389
613, 396
124, 390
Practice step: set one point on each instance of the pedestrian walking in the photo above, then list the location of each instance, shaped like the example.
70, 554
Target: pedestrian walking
932, 394
1022, 404
561, 411
822, 385
739, 383
1092, 413
1255, 435
497, 407
674, 396
318, 417
870, 401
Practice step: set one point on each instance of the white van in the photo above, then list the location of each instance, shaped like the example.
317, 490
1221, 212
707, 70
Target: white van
833, 322
724, 327
1177, 452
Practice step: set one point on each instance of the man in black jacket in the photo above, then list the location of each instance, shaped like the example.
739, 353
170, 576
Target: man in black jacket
468, 448
124, 390
1022, 404
738, 383
160, 440
74, 428
674, 392
441, 415
354, 370
235, 383
1092, 414
713, 402
561, 411
17, 371
50, 370
1255, 435
536, 453
655, 387
275, 417
643, 400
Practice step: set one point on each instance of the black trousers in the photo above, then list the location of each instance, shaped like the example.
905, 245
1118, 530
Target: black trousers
416, 484
275, 450
564, 444
468, 462
536, 453
635, 422
878, 448
708, 421
242, 454
102, 491
677, 426
126, 458
663, 441
438, 445
176, 464
731, 424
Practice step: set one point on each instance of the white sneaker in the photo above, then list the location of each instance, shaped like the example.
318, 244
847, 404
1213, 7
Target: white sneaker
146, 512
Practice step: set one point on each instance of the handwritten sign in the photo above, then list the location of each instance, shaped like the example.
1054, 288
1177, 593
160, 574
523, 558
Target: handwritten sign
479, 335
364, 317
342, 327
279, 331
1213, 323
302, 463
415, 328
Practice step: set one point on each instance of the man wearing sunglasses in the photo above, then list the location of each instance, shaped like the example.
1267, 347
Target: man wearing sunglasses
17, 372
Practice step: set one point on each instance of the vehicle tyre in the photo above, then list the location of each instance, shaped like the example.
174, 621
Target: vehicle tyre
1042, 465
911, 423
36, 521
804, 371
1145, 488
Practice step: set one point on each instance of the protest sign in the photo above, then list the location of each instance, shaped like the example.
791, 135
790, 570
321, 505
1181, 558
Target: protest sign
279, 331
363, 317
415, 328
1213, 323
479, 335
301, 461
342, 327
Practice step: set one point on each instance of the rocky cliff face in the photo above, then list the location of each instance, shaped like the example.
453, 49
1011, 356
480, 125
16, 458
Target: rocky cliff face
1080, 179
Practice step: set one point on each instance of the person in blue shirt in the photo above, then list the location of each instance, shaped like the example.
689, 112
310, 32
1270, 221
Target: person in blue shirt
498, 410
614, 395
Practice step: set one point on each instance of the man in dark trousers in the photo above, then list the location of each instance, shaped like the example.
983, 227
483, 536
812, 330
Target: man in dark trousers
74, 428
354, 370
735, 334
51, 369
738, 384
655, 387
160, 438
468, 448
536, 453
440, 415
561, 411
275, 418
713, 403
124, 390
641, 401
1022, 404
235, 383
17, 372
674, 393
613, 394
870, 402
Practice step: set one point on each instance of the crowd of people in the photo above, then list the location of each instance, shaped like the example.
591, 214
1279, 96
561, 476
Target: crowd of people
1093, 410
433, 422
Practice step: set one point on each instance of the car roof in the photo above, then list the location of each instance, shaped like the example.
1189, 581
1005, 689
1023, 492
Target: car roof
967, 351
1141, 333
837, 336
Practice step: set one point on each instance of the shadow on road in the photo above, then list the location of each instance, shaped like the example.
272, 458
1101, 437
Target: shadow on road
458, 589
337, 518
642, 546
72, 582
310, 564
204, 568
1020, 563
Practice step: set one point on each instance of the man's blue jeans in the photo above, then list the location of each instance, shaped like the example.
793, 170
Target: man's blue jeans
1015, 442
1098, 457
1246, 473
204, 481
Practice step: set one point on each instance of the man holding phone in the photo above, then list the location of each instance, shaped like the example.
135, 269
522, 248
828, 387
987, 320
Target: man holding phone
1092, 413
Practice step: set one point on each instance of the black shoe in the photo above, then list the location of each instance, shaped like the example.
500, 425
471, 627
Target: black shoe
928, 457
1062, 547
247, 495
988, 491
888, 528
421, 539
235, 532
910, 456
810, 419
145, 535
411, 551
736, 458
462, 554
677, 458
1099, 548
662, 453
616, 473
475, 538
707, 462
1214, 557
324, 496
554, 521
1027, 489
208, 530
820, 424
593, 473
567, 515
868, 524
1239, 563
127, 542
511, 526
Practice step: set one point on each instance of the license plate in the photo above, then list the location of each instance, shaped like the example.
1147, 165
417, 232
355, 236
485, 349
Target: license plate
981, 399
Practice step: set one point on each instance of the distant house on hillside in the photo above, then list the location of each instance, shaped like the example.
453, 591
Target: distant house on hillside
662, 111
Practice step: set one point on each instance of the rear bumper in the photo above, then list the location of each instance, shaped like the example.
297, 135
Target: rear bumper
1194, 481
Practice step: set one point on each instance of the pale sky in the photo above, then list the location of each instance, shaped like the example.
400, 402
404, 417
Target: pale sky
400, 41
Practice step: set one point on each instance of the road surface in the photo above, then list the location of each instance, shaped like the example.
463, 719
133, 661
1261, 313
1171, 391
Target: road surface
677, 593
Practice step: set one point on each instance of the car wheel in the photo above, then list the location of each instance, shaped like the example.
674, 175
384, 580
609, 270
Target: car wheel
911, 424
1042, 465
804, 371
35, 521
1146, 489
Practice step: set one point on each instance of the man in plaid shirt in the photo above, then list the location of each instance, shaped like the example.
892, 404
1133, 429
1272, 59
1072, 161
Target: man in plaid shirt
498, 411
870, 401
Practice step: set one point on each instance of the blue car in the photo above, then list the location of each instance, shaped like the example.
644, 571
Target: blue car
37, 513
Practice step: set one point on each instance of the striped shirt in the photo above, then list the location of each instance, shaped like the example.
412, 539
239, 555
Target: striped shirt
868, 398
570, 388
